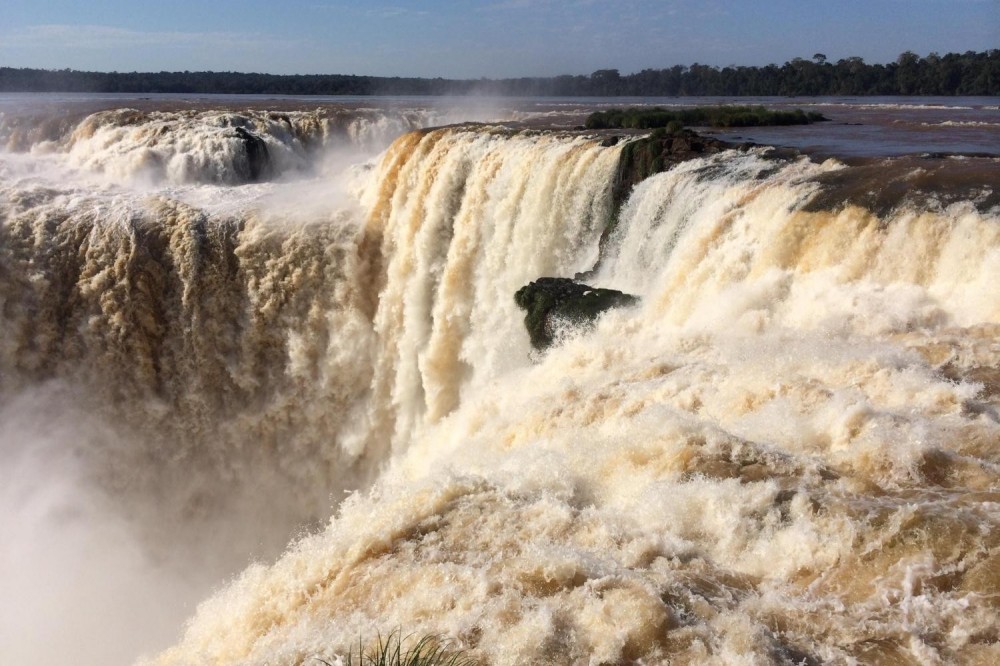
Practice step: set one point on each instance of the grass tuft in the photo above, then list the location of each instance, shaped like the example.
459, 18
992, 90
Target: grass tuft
390, 651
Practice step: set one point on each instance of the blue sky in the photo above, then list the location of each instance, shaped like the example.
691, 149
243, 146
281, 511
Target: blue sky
497, 38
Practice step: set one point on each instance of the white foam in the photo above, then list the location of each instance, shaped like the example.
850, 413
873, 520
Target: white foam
794, 429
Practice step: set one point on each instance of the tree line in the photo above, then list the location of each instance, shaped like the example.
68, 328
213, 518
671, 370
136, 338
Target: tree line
969, 73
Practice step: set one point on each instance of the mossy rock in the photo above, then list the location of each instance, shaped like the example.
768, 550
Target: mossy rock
550, 303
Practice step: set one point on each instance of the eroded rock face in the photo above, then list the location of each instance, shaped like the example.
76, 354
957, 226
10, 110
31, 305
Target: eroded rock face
551, 302
644, 157
658, 152
258, 163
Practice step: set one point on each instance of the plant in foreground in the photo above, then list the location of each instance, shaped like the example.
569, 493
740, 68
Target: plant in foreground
428, 651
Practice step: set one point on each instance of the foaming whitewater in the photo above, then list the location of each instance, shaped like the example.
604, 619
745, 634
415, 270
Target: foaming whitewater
232, 367
210, 146
787, 453
153, 368
463, 219
730, 225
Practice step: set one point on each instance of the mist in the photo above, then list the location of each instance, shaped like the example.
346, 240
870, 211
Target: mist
83, 581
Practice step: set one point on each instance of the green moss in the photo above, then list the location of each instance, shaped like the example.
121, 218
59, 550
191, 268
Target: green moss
551, 302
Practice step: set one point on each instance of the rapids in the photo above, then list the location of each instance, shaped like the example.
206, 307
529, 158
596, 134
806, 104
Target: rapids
789, 452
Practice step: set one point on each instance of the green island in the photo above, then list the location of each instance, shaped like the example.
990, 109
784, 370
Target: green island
702, 116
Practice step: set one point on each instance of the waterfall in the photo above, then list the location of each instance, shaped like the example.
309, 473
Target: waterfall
463, 219
786, 452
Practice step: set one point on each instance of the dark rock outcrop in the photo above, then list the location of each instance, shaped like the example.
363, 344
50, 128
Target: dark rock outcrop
550, 302
658, 152
258, 164
642, 158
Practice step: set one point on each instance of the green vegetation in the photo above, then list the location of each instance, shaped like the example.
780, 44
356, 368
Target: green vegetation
712, 116
662, 149
550, 302
428, 651
969, 73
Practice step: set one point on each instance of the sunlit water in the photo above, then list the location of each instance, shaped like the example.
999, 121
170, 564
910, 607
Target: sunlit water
787, 453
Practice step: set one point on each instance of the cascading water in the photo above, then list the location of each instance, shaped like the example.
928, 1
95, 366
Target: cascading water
210, 146
787, 453
465, 218
237, 364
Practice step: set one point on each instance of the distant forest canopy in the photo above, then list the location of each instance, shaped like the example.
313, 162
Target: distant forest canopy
969, 73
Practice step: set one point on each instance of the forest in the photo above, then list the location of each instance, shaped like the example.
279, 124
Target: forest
969, 73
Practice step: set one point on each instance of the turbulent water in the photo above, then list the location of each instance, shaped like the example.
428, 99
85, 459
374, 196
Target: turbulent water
217, 323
